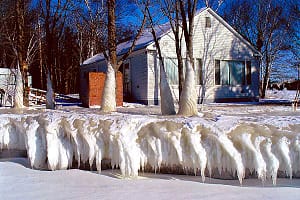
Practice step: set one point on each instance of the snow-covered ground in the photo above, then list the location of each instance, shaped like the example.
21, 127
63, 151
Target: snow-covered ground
231, 141
18, 181
285, 95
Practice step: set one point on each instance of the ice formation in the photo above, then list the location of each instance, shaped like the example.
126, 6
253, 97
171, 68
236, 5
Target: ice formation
54, 140
18, 98
50, 104
167, 102
108, 103
188, 97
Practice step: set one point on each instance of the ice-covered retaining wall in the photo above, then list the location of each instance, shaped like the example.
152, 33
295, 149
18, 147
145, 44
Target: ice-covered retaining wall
223, 145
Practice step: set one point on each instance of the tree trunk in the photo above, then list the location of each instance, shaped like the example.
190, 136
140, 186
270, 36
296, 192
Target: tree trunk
188, 98
50, 102
20, 10
18, 98
180, 66
108, 103
112, 42
26, 83
178, 48
266, 78
166, 99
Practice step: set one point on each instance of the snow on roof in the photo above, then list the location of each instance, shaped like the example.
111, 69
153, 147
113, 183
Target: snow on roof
143, 41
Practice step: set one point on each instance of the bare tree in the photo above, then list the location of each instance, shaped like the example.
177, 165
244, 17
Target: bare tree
108, 103
171, 10
188, 97
266, 24
214, 4
19, 40
54, 15
166, 100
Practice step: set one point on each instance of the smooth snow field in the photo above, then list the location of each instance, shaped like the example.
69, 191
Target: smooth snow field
250, 151
18, 181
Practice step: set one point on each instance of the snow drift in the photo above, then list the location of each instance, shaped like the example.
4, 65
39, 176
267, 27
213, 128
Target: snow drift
234, 146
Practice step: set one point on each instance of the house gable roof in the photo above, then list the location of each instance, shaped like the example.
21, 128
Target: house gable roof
161, 30
231, 29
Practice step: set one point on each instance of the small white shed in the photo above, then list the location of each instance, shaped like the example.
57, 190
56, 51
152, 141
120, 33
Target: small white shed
7, 85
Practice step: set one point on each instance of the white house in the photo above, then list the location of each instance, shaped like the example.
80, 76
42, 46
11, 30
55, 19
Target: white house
226, 65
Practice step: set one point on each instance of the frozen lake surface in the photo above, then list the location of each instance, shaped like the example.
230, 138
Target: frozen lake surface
18, 181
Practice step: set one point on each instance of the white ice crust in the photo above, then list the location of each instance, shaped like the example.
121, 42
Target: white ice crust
167, 102
188, 97
108, 103
18, 98
205, 146
50, 104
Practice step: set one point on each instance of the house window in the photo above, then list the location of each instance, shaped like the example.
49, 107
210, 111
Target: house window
207, 22
232, 72
171, 70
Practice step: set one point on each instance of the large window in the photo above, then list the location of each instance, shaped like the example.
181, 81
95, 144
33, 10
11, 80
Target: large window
232, 72
172, 70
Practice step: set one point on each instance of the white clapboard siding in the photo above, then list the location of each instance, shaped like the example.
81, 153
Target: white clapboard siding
139, 77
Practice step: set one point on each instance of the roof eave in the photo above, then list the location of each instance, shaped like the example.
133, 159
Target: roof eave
236, 33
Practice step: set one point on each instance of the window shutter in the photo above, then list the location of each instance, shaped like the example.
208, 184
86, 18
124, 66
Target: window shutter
248, 72
217, 72
200, 72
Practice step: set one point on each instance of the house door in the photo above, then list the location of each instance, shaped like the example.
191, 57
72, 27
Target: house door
125, 69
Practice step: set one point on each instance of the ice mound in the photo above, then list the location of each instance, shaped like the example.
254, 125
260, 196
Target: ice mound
225, 145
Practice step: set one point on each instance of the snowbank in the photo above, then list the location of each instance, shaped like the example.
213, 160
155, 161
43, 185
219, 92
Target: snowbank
212, 145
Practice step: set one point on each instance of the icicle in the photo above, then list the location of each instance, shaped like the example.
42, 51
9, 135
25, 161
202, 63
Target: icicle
262, 166
255, 155
35, 144
271, 160
296, 155
99, 152
196, 151
235, 155
132, 143
65, 147
283, 153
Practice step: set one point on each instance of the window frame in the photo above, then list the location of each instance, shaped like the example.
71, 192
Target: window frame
246, 72
207, 22
198, 70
